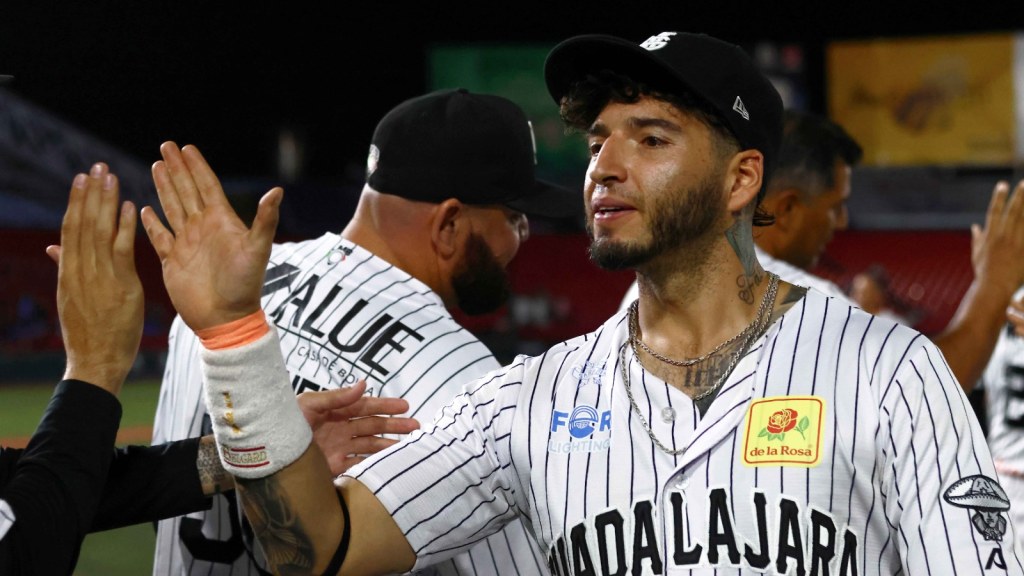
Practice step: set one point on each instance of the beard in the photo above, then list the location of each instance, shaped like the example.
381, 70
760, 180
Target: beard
481, 284
674, 220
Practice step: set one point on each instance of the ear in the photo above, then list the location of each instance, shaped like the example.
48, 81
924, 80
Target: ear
783, 204
447, 227
747, 170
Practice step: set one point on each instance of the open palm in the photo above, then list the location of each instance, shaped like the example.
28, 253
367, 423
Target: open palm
213, 265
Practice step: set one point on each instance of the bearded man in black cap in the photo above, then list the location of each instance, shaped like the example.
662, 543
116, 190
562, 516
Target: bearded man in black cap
450, 182
727, 421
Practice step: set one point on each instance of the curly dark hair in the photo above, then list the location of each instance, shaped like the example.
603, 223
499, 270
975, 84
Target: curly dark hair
585, 100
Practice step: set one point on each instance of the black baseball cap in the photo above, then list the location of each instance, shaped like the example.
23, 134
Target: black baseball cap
4, 79
720, 73
477, 148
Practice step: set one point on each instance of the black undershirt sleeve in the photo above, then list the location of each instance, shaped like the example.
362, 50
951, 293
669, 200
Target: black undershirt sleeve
55, 485
148, 483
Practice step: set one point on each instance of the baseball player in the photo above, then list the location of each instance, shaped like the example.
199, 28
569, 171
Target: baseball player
1003, 387
728, 423
807, 198
450, 176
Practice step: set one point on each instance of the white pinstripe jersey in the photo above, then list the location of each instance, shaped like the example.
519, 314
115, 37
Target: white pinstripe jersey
342, 314
840, 444
1003, 382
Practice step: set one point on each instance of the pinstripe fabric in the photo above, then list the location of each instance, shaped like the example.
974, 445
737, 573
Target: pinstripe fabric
553, 439
1003, 383
342, 314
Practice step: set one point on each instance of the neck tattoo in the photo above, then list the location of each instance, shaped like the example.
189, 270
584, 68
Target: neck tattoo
746, 337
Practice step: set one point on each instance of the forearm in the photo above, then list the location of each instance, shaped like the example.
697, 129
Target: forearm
148, 483
970, 337
295, 514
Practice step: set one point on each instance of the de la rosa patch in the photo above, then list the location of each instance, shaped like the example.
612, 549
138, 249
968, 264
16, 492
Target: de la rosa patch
784, 431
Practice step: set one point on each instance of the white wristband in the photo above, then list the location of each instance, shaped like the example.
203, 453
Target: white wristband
256, 420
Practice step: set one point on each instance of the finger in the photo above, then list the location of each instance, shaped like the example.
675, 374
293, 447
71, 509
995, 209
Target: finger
181, 176
161, 238
374, 425
124, 242
264, 225
71, 226
329, 400
1013, 212
91, 216
996, 205
371, 406
168, 195
106, 219
206, 181
53, 251
369, 445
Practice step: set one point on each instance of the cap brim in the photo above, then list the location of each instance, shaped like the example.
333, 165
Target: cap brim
5, 79
549, 200
572, 59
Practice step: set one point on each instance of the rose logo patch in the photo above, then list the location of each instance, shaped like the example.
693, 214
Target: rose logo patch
784, 431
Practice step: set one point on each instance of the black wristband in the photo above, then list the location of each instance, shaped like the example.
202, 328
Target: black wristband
339, 554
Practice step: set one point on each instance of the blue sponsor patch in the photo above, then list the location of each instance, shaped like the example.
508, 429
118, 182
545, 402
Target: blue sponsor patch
584, 424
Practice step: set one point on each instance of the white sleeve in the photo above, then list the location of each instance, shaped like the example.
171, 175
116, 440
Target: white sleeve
946, 509
451, 485
6, 518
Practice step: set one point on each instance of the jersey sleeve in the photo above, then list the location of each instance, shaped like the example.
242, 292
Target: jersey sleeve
450, 485
945, 507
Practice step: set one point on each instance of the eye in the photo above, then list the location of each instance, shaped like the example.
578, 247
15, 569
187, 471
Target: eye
652, 141
594, 148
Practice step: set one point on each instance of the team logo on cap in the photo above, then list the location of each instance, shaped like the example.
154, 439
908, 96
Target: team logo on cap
738, 106
784, 431
371, 159
657, 42
986, 498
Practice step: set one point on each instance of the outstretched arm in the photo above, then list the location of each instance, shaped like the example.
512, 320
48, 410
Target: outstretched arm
996, 254
213, 268
50, 498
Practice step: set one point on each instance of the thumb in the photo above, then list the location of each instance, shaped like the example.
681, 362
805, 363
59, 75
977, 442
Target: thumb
264, 225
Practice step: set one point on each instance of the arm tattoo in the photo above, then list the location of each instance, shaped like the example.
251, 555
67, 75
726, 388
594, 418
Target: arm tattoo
212, 476
286, 543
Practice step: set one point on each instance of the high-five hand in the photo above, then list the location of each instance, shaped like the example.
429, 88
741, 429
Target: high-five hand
99, 295
213, 264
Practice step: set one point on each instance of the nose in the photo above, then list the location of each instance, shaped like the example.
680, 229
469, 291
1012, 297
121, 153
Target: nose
607, 165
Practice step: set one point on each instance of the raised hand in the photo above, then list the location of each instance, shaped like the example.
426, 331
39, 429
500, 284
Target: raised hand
346, 424
213, 265
996, 250
99, 295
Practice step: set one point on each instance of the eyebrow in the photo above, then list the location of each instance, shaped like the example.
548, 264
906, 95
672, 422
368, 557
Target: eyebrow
600, 129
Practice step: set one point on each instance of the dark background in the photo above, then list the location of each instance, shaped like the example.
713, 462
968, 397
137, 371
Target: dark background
227, 75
